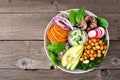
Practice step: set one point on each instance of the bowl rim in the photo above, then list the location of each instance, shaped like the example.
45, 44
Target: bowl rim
60, 67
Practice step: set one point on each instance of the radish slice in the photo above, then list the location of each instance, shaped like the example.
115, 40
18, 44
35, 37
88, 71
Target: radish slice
103, 31
96, 33
99, 33
92, 34
63, 23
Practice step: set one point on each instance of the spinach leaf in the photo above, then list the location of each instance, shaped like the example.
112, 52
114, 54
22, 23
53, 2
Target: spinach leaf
53, 57
71, 17
56, 47
90, 65
80, 14
102, 22
105, 40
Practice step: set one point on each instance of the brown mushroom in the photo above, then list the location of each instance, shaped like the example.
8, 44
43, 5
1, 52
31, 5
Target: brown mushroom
83, 25
91, 22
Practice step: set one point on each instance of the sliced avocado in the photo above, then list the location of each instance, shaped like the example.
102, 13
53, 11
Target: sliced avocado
77, 61
76, 58
68, 53
72, 55
75, 64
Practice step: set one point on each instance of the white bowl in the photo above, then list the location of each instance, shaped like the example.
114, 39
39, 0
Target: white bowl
47, 42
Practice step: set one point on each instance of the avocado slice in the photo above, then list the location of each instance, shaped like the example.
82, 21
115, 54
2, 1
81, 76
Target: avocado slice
76, 57
71, 56
77, 60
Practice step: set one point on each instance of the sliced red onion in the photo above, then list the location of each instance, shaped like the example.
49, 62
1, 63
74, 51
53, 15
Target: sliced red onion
63, 23
63, 14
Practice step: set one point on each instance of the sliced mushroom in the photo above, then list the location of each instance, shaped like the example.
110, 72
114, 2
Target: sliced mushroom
88, 29
91, 22
83, 25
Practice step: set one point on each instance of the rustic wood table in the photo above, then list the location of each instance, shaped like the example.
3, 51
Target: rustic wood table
22, 25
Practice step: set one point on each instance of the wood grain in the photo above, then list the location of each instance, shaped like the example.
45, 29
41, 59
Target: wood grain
22, 25
33, 6
101, 6
31, 55
23, 54
58, 75
32, 26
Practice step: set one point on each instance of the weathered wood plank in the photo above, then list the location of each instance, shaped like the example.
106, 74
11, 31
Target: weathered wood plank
33, 6
100, 6
28, 6
58, 75
23, 54
32, 26
23, 26
31, 55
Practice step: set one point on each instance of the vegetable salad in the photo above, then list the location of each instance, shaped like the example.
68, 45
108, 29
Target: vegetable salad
77, 41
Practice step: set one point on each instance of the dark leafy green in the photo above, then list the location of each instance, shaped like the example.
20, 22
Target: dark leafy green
71, 17
102, 22
80, 14
90, 65
56, 48
53, 58
104, 39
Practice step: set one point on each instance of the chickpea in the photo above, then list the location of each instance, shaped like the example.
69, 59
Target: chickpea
85, 57
81, 59
92, 51
89, 47
97, 39
88, 56
105, 47
94, 40
101, 47
95, 55
99, 55
86, 44
92, 58
96, 44
100, 42
85, 54
92, 44
85, 51
82, 56
104, 52
85, 47
90, 41
91, 55
99, 51
94, 48
88, 52
97, 47
103, 43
